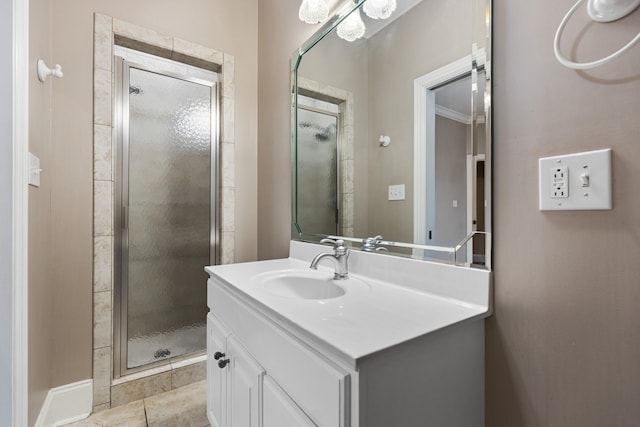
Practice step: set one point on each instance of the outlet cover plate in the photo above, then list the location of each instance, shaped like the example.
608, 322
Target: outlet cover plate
592, 168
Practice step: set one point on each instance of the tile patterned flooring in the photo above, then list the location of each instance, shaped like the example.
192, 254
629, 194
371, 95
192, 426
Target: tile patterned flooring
183, 407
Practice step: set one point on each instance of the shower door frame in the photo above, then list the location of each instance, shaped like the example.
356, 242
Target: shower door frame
120, 214
339, 174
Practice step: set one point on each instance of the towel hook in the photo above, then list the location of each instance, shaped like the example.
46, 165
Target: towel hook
44, 71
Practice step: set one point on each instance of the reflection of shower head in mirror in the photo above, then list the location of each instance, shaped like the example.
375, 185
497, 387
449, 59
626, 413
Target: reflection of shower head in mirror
600, 11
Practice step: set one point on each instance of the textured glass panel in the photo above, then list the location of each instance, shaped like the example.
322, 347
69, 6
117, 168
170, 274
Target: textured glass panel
169, 216
317, 157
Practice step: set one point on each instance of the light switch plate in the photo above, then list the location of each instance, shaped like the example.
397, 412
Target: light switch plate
579, 181
396, 192
34, 170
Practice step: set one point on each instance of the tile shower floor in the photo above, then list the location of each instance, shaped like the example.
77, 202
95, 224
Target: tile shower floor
149, 348
183, 407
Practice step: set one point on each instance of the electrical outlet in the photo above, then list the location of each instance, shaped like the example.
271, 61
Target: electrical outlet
579, 181
559, 182
396, 192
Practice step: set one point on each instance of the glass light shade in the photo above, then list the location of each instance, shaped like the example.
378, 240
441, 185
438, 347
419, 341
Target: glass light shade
379, 9
313, 11
352, 27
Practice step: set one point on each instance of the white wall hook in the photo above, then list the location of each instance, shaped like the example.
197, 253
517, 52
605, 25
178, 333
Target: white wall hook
385, 140
44, 71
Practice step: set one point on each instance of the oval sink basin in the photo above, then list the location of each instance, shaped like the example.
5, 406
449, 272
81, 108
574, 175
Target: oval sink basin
303, 287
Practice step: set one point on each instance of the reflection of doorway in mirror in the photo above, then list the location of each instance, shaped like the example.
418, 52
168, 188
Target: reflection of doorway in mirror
329, 99
449, 150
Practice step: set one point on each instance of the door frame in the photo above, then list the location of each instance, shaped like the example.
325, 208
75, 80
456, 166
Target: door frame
20, 213
424, 140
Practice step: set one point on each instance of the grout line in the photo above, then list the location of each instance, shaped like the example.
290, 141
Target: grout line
144, 408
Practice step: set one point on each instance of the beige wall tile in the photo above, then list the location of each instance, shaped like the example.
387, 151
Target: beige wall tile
347, 173
102, 90
227, 162
228, 120
227, 244
103, 208
141, 388
228, 209
102, 376
103, 43
228, 76
102, 153
102, 263
189, 374
102, 319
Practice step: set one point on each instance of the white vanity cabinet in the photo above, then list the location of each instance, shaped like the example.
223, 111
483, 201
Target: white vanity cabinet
239, 394
234, 381
381, 355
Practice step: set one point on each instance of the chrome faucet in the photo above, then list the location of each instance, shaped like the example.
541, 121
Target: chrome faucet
370, 244
339, 258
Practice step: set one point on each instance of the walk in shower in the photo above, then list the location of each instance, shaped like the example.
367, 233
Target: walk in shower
167, 132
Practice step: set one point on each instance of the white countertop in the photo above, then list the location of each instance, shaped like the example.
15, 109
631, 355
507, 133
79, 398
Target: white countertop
373, 315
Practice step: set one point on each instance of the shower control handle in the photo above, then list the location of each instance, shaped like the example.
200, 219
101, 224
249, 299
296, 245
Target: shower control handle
217, 355
223, 363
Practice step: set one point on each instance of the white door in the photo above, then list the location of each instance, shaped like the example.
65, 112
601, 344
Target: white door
279, 410
244, 387
216, 376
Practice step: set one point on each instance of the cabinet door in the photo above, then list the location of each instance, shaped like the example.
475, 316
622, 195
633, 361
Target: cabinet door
216, 377
244, 388
279, 410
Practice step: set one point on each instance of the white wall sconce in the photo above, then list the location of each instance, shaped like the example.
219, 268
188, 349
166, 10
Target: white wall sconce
44, 71
352, 28
385, 140
379, 9
313, 11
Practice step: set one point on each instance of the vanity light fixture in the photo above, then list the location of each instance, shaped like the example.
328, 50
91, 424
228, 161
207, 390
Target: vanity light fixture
352, 28
313, 11
379, 9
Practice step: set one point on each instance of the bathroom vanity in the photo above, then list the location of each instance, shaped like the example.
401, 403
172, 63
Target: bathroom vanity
399, 343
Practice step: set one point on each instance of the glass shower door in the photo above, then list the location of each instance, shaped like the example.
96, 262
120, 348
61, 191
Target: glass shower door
317, 154
168, 213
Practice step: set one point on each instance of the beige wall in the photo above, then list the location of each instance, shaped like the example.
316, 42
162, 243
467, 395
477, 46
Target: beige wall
280, 33
564, 343
40, 214
562, 347
226, 26
398, 55
451, 164
343, 65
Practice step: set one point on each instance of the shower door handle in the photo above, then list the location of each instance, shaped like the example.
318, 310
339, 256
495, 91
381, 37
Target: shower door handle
125, 217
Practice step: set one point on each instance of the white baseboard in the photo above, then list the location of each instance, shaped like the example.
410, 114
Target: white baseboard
66, 404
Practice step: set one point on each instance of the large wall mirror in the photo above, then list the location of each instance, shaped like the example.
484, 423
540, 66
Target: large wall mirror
392, 131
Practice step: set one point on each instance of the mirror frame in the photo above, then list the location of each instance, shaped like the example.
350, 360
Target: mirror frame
416, 250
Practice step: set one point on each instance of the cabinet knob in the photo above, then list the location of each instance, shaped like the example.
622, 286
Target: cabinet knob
217, 355
223, 363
